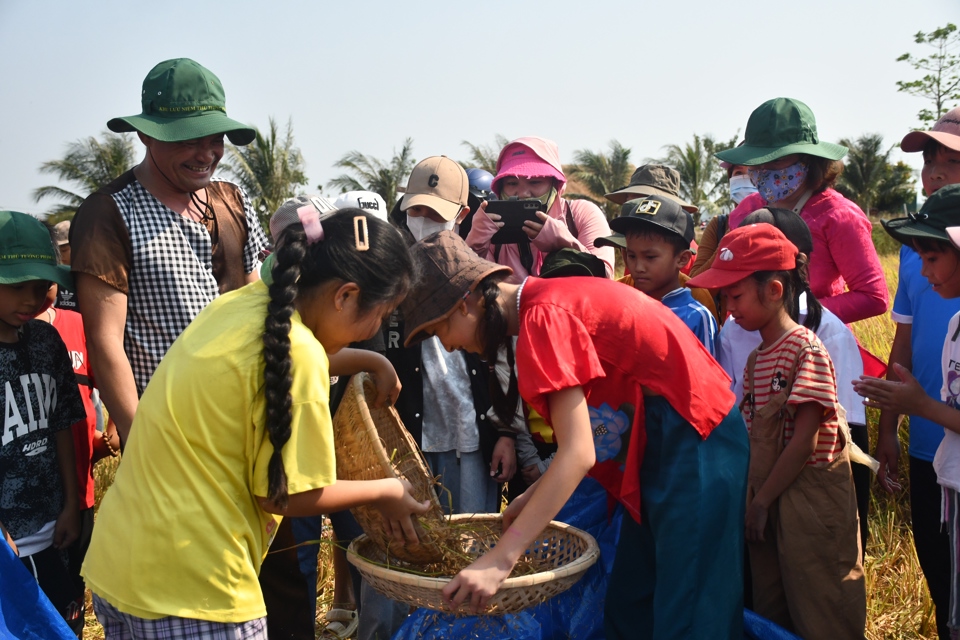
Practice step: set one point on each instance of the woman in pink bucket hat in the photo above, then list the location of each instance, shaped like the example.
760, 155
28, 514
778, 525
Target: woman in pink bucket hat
530, 168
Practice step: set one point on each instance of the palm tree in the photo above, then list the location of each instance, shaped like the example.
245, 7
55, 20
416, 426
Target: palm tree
269, 170
701, 176
600, 174
89, 163
373, 174
485, 156
868, 177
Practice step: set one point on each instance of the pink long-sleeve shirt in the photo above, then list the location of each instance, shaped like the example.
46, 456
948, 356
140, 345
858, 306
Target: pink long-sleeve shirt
843, 255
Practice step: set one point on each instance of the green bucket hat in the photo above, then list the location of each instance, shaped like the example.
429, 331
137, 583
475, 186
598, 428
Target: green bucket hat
27, 253
939, 213
183, 100
778, 128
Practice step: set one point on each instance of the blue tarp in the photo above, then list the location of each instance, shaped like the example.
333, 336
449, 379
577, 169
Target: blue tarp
25, 612
575, 613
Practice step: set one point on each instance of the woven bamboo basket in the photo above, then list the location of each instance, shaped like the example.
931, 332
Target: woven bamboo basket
561, 554
371, 444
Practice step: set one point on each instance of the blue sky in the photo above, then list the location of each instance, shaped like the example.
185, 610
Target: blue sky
366, 75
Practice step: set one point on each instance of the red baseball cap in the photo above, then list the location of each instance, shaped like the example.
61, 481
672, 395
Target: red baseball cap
743, 252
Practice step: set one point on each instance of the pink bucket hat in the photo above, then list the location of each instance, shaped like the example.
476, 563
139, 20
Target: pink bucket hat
520, 160
946, 131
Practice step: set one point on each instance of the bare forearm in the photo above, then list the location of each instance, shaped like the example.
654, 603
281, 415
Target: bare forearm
344, 494
550, 493
794, 455
104, 322
574, 458
117, 387
901, 352
348, 362
939, 412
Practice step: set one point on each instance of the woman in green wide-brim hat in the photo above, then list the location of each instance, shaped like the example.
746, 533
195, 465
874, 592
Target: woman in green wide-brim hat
793, 168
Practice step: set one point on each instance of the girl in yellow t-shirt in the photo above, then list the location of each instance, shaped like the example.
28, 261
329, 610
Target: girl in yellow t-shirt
234, 432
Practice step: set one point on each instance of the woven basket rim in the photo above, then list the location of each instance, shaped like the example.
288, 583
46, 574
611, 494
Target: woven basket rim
581, 564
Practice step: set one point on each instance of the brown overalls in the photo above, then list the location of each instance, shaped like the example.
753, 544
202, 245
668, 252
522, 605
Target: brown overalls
807, 575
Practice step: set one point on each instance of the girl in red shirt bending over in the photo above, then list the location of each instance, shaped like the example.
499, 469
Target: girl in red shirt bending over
635, 401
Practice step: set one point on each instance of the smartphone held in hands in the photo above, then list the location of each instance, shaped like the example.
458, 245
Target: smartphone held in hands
513, 213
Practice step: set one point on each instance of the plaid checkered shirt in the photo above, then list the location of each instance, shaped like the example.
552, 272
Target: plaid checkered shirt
171, 274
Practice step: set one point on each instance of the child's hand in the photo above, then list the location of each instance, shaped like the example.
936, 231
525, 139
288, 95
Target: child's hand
532, 229
906, 397
387, 382
504, 462
475, 585
67, 528
887, 454
398, 514
756, 522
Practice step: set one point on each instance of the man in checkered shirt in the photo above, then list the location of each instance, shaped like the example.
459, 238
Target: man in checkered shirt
155, 246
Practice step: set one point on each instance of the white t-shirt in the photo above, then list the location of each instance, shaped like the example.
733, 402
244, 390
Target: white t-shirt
449, 418
947, 460
736, 344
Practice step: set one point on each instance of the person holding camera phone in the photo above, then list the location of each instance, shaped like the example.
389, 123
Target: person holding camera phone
529, 168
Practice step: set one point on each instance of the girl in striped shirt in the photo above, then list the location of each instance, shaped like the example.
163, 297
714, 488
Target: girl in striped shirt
802, 528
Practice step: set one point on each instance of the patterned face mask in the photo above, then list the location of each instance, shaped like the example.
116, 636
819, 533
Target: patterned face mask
775, 185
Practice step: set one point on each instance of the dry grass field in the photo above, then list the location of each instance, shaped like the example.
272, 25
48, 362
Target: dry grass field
897, 599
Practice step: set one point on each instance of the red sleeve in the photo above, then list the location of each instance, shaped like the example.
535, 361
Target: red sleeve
554, 352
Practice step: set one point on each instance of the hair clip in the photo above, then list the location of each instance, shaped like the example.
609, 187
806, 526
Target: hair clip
310, 219
361, 234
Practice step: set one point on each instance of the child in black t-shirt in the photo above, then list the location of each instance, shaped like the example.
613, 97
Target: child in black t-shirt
38, 477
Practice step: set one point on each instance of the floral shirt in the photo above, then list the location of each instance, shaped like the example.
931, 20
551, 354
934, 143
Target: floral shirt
617, 344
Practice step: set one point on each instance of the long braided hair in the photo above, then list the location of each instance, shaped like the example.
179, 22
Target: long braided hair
493, 337
384, 273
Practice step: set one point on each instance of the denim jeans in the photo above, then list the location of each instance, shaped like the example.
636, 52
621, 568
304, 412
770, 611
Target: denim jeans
466, 485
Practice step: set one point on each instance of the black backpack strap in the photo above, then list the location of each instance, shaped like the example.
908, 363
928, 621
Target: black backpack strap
568, 217
723, 225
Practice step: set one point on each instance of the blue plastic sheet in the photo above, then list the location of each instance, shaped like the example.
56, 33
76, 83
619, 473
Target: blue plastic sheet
25, 612
575, 613
757, 628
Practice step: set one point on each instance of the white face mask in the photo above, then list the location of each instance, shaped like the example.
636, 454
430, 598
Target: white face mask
421, 227
741, 187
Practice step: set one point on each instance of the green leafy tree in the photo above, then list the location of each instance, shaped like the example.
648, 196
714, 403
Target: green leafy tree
940, 84
270, 169
870, 180
88, 164
600, 173
485, 156
702, 179
372, 174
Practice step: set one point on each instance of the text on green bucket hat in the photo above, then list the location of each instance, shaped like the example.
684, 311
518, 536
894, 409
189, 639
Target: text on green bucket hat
183, 100
778, 128
26, 251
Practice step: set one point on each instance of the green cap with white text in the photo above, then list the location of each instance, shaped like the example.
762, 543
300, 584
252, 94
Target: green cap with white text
27, 253
183, 100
